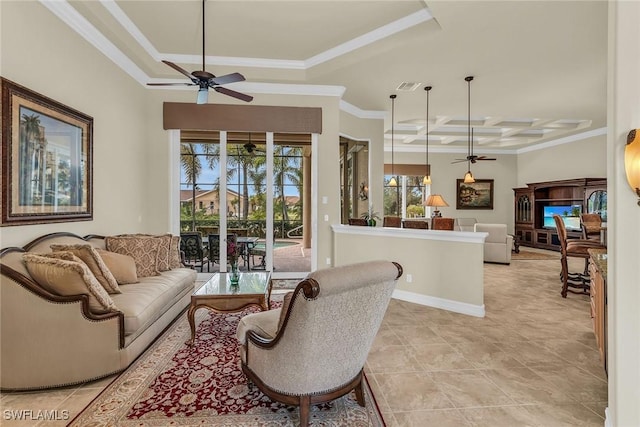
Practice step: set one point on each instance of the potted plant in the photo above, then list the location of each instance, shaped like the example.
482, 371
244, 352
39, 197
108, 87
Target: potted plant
371, 217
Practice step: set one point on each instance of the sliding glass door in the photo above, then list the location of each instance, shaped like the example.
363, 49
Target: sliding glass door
251, 185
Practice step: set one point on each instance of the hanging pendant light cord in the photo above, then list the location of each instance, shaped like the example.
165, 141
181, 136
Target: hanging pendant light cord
468, 79
393, 103
427, 88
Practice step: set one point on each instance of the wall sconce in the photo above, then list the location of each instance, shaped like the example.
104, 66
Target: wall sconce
363, 194
632, 161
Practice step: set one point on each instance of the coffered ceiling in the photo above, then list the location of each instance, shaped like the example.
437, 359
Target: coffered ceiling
539, 66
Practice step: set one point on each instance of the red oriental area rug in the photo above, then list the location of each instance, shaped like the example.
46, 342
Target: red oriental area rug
177, 385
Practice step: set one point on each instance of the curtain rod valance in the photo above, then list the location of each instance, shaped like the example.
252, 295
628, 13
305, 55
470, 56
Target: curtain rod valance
254, 118
405, 169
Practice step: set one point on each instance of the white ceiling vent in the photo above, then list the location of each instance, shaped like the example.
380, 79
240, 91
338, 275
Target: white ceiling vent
408, 86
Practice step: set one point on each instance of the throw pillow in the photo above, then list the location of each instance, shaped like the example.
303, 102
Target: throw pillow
164, 248
89, 256
143, 250
174, 253
68, 277
123, 267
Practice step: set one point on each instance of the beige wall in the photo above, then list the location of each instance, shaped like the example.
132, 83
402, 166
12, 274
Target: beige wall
430, 262
368, 130
580, 159
328, 183
623, 277
43, 54
444, 176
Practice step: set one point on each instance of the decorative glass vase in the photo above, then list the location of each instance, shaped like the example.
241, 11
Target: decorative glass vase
234, 275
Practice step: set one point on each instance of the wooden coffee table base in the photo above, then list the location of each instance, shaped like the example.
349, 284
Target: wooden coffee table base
223, 304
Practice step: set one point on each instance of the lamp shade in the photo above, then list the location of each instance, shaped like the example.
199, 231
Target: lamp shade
436, 200
426, 180
468, 178
632, 160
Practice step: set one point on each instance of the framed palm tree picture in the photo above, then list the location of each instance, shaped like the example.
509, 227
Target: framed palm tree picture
46, 159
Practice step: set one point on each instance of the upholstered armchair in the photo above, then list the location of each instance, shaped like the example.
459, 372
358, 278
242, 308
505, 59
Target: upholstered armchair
313, 349
498, 244
465, 224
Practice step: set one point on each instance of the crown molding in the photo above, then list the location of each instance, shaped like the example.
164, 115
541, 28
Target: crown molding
126, 23
380, 33
410, 148
70, 16
564, 140
236, 61
359, 113
373, 36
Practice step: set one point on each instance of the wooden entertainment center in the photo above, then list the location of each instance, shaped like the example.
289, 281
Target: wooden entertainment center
530, 203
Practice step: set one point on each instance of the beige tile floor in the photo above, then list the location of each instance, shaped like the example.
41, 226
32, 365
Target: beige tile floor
532, 361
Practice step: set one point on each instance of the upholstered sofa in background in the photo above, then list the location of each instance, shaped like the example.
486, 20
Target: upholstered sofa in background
61, 324
498, 244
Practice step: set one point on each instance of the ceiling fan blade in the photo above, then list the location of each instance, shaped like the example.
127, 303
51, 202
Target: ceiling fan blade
459, 161
180, 70
485, 158
229, 78
170, 84
233, 93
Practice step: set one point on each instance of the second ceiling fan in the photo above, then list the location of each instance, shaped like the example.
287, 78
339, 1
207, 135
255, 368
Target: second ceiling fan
204, 79
470, 156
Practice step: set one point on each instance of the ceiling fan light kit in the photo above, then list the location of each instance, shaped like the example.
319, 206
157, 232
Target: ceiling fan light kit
205, 80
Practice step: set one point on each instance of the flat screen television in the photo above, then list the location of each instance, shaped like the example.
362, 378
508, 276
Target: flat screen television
570, 216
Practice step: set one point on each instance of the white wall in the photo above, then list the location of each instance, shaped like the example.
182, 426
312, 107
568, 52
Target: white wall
623, 279
43, 54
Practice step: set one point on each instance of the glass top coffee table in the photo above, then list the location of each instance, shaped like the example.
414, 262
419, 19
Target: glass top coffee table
218, 294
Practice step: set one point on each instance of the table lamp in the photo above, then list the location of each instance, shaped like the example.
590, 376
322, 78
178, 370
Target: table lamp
436, 201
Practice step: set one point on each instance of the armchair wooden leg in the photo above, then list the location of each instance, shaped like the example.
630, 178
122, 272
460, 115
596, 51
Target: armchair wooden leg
305, 403
360, 394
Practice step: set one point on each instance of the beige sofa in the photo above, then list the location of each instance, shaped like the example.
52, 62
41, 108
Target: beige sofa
48, 340
498, 244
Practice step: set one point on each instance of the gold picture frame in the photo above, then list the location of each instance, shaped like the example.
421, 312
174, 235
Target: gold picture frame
47, 159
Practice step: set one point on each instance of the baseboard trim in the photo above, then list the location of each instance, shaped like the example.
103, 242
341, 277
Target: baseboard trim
607, 419
445, 304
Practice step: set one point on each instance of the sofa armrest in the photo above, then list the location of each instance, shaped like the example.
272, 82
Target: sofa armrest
51, 342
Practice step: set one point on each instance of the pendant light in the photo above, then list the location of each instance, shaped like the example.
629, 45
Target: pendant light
427, 173
393, 182
468, 177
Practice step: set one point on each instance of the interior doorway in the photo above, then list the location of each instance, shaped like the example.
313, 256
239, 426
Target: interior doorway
354, 178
